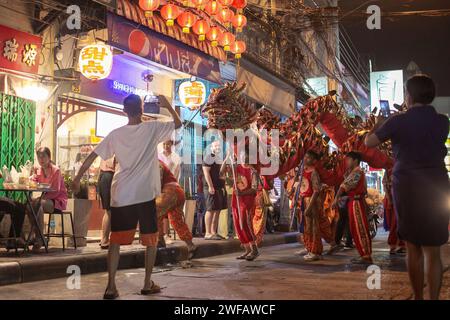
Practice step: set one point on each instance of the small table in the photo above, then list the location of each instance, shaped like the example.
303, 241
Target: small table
34, 221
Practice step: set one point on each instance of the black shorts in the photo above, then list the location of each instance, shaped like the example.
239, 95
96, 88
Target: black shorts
104, 188
217, 201
124, 221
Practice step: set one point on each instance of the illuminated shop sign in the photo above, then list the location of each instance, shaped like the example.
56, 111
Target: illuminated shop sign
192, 94
96, 61
126, 89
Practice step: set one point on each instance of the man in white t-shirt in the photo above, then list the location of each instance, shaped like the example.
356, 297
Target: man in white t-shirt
135, 185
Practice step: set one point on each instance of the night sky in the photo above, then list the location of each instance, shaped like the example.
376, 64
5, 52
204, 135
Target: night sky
425, 40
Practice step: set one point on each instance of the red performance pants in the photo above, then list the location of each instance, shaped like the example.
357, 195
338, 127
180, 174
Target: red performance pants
391, 217
244, 224
359, 227
170, 204
317, 226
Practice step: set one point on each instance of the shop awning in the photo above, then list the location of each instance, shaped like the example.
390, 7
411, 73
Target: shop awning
133, 12
266, 88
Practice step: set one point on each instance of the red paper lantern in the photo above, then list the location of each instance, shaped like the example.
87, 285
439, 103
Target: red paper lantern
238, 48
239, 22
213, 8
170, 12
186, 20
226, 15
239, 5
226, 3
227, 40
214, 35
149, 6
201, 28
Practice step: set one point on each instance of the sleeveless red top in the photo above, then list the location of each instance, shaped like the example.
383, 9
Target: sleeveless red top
361, 188
306, 189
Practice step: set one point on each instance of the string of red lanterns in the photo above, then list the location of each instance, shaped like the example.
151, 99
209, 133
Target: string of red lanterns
219, 12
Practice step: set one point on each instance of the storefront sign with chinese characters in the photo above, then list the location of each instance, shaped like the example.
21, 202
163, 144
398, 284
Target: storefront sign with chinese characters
19, 51
192, 94
164, 50
189, 96
95, 62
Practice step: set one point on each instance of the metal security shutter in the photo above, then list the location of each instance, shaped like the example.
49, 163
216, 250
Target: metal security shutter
17, 130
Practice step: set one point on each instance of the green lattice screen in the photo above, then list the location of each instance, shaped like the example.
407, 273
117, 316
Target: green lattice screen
17, 125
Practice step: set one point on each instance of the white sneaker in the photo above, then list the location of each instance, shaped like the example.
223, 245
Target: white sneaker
311, 257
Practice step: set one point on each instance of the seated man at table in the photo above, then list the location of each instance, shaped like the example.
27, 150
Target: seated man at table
17, 211
53, 201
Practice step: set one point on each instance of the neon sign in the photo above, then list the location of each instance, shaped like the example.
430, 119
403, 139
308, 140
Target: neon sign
124, 88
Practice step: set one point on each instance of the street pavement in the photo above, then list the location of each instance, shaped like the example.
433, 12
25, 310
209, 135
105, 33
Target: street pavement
277, 274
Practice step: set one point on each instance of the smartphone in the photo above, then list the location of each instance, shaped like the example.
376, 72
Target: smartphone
152, 105
385, 110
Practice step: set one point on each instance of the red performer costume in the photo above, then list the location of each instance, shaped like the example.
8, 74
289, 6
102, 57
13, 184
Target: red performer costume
356, 189
262, 206
317, 224
170, 203
243, 224
390, 215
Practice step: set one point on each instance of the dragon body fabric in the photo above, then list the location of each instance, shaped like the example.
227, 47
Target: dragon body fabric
228, 108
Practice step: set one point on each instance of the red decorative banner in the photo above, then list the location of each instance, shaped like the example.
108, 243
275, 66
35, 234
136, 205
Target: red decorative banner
19, 51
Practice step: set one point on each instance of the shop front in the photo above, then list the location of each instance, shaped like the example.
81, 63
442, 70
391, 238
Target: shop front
21, 95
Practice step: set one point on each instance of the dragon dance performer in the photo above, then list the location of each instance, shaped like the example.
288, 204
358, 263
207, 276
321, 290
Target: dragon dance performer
329, 212
291, 185
244, 197
262, 205
396, 245
317, 225
170, 204
355, 188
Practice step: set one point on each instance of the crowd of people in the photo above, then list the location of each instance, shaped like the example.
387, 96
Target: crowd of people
415, 204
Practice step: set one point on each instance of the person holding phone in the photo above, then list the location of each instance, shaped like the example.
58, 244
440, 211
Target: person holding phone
135, 186
420, 181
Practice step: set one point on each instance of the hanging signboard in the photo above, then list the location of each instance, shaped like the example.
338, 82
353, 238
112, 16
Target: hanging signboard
164, 50
19, 51
191, 95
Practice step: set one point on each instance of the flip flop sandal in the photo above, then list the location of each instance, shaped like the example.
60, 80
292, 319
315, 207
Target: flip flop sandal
153, 290
110, 296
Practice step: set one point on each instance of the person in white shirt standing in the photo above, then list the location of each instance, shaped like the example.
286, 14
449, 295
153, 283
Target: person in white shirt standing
173, 162
170, 158
135, 185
